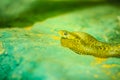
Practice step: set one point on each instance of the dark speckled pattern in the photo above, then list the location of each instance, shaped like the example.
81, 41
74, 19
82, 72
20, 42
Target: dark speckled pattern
83, 43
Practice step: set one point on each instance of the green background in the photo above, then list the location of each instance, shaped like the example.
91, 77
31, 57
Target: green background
30, 46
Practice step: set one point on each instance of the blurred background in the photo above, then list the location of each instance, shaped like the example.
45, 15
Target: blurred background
26, 12
30, 46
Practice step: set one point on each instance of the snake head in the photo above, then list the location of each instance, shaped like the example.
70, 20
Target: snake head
66, 35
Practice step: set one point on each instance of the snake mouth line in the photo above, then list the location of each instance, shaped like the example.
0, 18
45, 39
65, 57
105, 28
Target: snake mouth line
63, 38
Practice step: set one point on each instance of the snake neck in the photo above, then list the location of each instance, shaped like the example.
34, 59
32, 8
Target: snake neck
115, 52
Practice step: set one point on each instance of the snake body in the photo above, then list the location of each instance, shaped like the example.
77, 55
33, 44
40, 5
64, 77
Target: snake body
83, 43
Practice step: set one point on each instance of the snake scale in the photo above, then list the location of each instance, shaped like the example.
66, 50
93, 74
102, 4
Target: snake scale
85, 44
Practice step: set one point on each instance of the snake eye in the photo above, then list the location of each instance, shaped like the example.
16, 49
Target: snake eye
65, 33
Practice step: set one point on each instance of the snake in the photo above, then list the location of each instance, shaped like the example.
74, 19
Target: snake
85, 44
